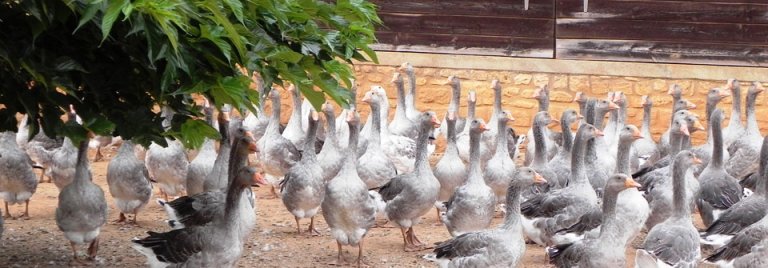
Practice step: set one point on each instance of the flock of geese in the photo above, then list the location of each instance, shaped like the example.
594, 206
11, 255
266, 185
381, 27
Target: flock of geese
584, 195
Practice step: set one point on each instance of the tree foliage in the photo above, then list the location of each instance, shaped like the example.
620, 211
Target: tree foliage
117, 61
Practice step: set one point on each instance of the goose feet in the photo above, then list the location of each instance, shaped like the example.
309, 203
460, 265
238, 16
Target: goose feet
412, 243
339, 259
93, 249
122, 218
76, 261
311, 231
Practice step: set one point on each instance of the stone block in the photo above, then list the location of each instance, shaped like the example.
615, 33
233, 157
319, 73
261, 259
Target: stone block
541, 80
559, 82
560, 96
580, 83
523, 79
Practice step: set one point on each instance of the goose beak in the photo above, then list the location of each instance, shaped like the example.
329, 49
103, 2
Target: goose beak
617, 98
315, 116
698, 125
758, 87
697, 160
644, 100
612, 105
577, 97
630, 183
367, 97
435, 123
671, 91
538, 179
495, 84
690, 105
637, 135
553, 121
598, 133
396, 78
483, 127
450, 80
723, 93
729, 83
684, 130
258, 179
472, 96
579, 116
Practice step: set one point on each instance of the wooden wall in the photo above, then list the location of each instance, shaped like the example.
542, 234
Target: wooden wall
721, 32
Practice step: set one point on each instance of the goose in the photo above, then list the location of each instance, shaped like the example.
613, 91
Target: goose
704, 151
607, 249
542, 97
744, 151
365, 132
673, 242
560, 164
63, 163
168, 166
661, 192
632, 209
450, 171
303, 188
216, 244
462, 140
331, 156
621, 121
540, 162
378, 168
453, 106
410, 99
471, 206
545, 213
278, 153
664, 142
218, 178
399, 149
598, 161
257, 122
128, 181
611, 127
41, 149
293, 130
17, 180
742, 214
204, 161
401, 125
82, 208
489, 136
718, 190
676, 92
342, 131
410, 195
741, 244
500, 168
755, 258
735, 128
581, 99
646, 146
348, 207
503, 246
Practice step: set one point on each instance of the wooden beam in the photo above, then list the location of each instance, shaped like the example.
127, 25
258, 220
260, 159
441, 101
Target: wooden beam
493, 8
473, 25
465, 44
661, 11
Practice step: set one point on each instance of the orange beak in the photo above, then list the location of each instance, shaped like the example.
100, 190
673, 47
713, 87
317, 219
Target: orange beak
579, 116
450, 80
637, 135
729, 83
538, 179
599, 133
536, 93
252, 147
577, 97
690, 105
258, 179
396, 78
684, 130
723, 93
644, 100
612, 105
482, 127
671, 90
758, 87
367, 97
553, 121
698, 125
697, 160
495, 84
630, 183
435, 123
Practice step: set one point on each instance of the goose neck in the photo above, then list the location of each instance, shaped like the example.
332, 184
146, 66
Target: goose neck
735, 106
474, 156
717, 144
350, 162
567, 134
501, 137
679, 169
645, 129
540, 156
309, 142
400, 107
752, 126
450, 125
512, 218
577, 158
412, 88
453, 106
421, 148
622, 157
82, 170
232, 202
543, 103
375, 136
496, 100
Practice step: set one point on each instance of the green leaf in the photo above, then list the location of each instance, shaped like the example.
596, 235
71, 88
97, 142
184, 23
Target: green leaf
194, 132
90, 12
65, 64
113, 10
100, 125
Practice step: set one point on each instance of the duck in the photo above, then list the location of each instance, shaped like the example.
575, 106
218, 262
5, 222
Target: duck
560, 164
453, 106
410, 99
293, 130
503, 246
278, 153
542, 97
401, 125
168, 165
17, 180
378, 169
673, 242
450, 171
303, 188
128, 181
204, 161
744, 151
348, 207
718, 190
540, 161
743, 213
500, 168
82, 208
551, 211
741, 244
632, 209
735, 127
216, 244
410, 195
471, 206
331, 156
607, 249
646, 146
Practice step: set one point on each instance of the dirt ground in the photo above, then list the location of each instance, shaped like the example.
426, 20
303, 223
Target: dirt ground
37, 242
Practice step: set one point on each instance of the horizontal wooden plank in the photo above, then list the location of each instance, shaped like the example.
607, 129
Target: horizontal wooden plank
662, 31
465, 44
706, 1
494, 26
495, 8
666, 52
663, 11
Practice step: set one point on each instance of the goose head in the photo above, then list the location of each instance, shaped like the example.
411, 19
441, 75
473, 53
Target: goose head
620, 182
570, 116
525, 177
478, 126
544, 118
646, 101
675, 91
248, 176
580, 97
630, 133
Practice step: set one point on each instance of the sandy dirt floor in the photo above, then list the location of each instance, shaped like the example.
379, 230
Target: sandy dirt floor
37, 242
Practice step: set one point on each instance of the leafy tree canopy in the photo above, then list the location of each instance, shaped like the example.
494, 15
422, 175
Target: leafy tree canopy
117, 61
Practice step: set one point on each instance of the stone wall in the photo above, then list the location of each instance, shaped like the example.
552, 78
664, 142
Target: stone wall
518, 86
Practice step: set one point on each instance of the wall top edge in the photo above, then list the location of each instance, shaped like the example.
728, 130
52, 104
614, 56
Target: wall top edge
576, 67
